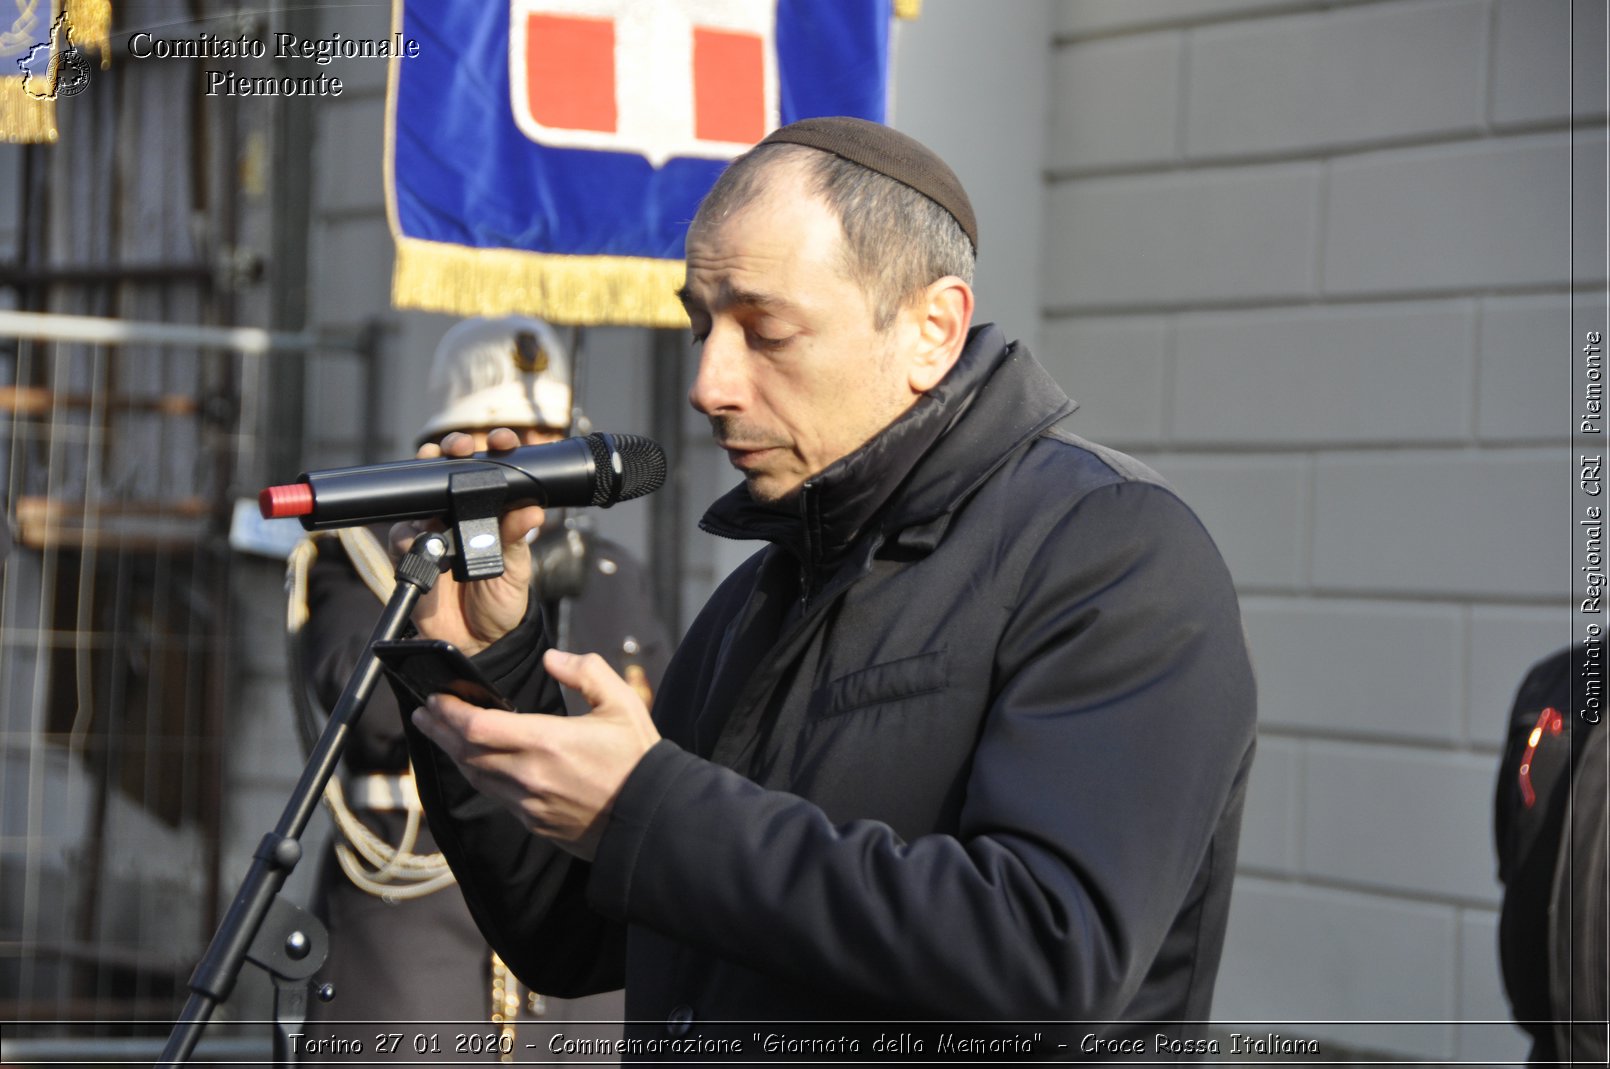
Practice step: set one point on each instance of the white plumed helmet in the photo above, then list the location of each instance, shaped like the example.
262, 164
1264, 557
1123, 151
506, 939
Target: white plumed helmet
509, 372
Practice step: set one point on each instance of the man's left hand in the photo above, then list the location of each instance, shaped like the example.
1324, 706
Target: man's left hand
558, 774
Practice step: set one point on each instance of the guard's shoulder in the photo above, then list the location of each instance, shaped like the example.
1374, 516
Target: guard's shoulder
611, 559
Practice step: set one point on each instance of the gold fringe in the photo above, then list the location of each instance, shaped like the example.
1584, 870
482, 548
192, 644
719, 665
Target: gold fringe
24, 117
580, 290
907, 9
505, 1007
91, 22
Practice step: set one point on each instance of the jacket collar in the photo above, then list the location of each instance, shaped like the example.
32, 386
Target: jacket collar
921, 466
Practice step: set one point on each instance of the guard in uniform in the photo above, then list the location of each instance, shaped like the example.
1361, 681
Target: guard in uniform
414, 980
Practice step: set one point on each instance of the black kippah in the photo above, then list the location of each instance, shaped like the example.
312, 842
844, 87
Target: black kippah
891, 154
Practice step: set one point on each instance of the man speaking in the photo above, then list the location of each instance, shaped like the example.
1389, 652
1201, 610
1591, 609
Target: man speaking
967, 741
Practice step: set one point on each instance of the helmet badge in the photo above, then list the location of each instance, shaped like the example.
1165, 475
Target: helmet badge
528, 353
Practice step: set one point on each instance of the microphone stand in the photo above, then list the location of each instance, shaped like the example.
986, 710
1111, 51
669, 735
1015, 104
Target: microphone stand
260, 926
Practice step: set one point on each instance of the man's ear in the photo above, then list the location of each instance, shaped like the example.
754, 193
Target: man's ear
943, 311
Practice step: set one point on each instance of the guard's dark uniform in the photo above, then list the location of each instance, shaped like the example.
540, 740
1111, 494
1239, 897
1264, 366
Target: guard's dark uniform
1550, 821
418, 961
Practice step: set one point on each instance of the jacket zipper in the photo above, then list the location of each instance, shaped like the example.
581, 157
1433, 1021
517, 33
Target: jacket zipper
805, 492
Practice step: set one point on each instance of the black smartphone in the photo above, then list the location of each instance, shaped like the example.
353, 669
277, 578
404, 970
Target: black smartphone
430, 666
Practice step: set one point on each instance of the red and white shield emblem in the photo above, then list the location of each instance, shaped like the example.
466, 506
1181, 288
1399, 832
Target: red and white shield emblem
659, 78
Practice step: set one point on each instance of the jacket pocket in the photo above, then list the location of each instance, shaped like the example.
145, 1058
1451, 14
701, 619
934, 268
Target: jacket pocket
887, 682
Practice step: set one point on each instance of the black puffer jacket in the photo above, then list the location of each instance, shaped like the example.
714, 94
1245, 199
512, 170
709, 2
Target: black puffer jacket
968, 742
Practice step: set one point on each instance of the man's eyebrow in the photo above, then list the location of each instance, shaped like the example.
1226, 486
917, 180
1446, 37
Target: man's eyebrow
729, 295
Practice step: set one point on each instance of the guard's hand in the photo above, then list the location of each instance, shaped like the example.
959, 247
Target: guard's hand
560, 775
476, 614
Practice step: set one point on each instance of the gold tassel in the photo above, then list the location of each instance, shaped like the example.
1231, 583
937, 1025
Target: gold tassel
907, 9
91, 22
580, 290
24, 117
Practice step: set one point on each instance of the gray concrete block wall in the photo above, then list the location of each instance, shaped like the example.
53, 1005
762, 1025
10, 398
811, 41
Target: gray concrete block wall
1327, 78
1145, 70
1402, 220
1308, 679
1519, 389
1281, 376
1537, 43
1182, 238
1319, 956
1104, 17
1318, 263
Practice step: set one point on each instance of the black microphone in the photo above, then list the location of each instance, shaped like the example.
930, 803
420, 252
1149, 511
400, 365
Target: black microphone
599, 469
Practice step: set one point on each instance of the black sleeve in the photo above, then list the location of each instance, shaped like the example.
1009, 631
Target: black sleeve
527, 896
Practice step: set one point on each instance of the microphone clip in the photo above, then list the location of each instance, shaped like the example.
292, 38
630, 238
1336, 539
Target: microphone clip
475, 501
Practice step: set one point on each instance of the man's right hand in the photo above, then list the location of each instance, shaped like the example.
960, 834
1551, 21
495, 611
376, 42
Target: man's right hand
474, 615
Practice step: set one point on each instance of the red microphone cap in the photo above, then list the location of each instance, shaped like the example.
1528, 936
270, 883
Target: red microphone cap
279, 502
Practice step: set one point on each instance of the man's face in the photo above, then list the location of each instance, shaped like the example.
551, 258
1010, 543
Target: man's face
793, 372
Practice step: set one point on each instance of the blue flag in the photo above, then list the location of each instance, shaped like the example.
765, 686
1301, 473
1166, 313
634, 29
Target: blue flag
545, 156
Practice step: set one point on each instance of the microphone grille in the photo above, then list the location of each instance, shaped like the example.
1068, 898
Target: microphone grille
626, 466
642, 465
